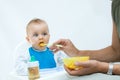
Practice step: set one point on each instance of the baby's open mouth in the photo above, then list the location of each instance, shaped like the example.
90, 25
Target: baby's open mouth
42, 44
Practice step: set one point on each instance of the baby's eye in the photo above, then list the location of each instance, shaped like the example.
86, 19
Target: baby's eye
35, 34
44, 34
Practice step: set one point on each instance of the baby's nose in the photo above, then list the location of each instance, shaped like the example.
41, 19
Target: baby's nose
40, 36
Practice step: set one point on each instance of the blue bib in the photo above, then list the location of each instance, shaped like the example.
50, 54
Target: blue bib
45, 58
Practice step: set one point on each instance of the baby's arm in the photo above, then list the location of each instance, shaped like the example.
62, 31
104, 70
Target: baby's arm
21, 65
21, 59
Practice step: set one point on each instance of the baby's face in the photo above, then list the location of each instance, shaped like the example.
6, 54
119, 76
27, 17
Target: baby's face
38, 33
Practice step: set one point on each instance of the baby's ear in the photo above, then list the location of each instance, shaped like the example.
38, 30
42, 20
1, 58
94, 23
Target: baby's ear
27, 38
49, 35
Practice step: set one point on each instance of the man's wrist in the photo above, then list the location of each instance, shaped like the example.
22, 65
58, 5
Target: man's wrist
110, 69
103, 67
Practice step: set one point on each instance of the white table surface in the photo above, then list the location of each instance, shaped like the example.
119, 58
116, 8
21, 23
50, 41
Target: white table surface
62, 75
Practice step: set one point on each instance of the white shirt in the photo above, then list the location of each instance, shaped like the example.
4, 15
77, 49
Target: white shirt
21, 57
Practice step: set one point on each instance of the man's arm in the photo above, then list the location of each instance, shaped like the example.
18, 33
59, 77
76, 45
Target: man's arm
110, 53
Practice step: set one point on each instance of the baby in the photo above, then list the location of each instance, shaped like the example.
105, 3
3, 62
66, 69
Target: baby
38, 36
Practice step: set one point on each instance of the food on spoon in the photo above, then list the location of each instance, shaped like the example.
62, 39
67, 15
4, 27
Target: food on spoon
42, 44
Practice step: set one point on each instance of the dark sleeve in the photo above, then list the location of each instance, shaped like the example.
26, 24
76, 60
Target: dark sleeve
116, 10
116, 13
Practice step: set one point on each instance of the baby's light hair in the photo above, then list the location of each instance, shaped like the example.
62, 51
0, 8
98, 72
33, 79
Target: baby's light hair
34, 21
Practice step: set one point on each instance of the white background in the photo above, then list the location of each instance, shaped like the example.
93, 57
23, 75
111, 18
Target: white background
87, 23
